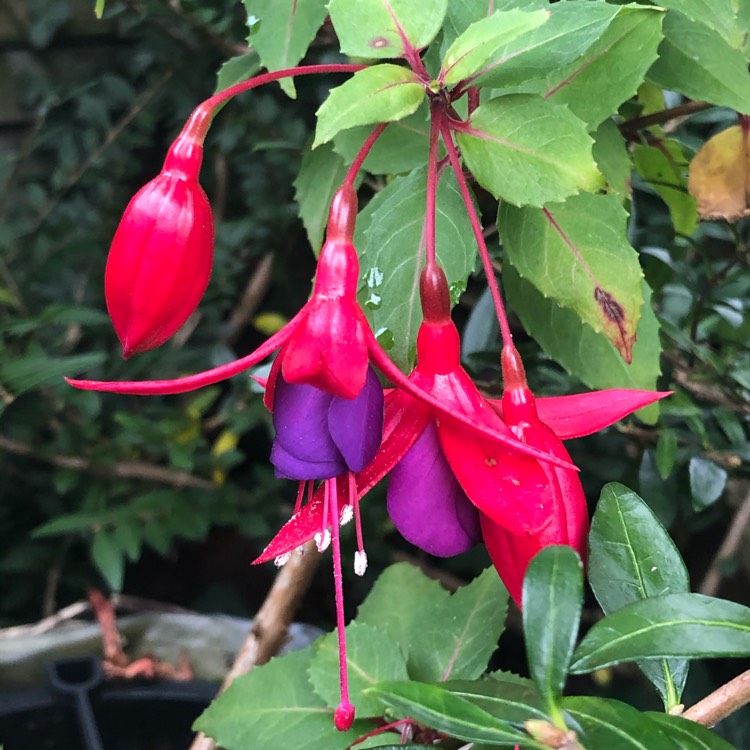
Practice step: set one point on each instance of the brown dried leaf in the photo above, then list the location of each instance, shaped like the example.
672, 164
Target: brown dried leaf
719, 178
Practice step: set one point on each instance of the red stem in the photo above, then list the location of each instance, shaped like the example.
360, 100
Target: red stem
359, 159
476, 225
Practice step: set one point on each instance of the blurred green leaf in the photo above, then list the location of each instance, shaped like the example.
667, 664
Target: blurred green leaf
707, 482
108, 558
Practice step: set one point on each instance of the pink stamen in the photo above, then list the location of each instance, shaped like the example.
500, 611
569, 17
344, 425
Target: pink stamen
300, 493
323, 537
343, 717
360, 556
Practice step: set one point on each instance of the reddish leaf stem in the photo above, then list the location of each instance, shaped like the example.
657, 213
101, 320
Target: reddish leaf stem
432, 183
363, 153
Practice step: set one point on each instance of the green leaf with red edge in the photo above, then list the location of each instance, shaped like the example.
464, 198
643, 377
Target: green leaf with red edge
284, 32
275, 706
381, 93
588, 355
571, 29
611, 70
385, 28
528, 151
389, 239
576, 253
697, 61
482, 40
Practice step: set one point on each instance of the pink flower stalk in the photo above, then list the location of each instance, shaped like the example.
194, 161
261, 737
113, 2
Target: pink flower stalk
160, 260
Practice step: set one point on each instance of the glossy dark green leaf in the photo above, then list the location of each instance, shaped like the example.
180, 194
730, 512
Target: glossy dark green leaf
284, 32
381, 93
274, 706
632, 558
615, 726
389, 240
688, 735
442, 710
697, 61
372, 657
707, 482
552, 601
688, 625
505, 696
374, 28
544, 147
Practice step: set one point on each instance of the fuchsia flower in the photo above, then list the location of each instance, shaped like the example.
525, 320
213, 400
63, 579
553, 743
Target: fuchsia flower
160, 260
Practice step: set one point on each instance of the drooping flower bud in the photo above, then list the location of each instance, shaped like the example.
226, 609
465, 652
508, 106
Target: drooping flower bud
160, 260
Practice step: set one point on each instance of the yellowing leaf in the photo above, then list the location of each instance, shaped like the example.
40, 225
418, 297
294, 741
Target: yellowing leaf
719, 177
227, 441
269, 323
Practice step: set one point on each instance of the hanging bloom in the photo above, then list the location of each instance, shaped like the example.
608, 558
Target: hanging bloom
160, 260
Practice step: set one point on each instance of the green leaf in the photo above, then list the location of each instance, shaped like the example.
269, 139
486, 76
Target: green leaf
108, 558
503, 695
707, 482
321, 173
237, 69
615, 726
689, 625
720, 15
528, 151
583, 353
402, 147
389, 238
284, 32
275, 706
372, 657
460, 15
381, 93
484, 39
571, 29
664, 167
611, 155
552, 601
446, 712
696, 61
577, 254
688, 735
612, 69
31, 370
666, 452
632, 558
374, 28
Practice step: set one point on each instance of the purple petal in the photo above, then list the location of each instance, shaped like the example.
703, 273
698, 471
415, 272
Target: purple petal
356, 425
288, 466
426, 502
300, 416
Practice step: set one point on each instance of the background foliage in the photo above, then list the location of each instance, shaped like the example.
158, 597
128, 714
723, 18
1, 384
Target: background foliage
173, 497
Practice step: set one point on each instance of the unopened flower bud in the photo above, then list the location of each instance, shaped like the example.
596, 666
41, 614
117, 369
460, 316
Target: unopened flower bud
160, 260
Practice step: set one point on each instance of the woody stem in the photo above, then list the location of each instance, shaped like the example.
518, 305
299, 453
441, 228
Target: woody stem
476, 226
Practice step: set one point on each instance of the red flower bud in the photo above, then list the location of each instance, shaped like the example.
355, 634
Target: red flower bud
160, 260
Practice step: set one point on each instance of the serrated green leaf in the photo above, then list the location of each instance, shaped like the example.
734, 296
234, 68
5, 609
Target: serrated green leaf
479, 44
614, 725
389, 239
688, 735
696, 61
459, 16
583, 353
401, 148
664, 167
707, 482
285, 31
446, 712
571, 29
504, 696
321, 173
374, 28
577, 254
372, 656
25, 372
381, 93
237, 69
612, 69
632, 558
552, 601
689, 625
610, 152
528, 151
108, 558
717, 14
275, 706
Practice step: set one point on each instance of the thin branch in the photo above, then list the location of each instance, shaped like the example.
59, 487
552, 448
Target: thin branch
722, 702
270, 625
629, 128
727, 550
254, 292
